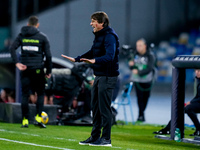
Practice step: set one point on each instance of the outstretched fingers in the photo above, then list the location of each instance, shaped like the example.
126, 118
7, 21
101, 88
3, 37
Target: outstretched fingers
69, 58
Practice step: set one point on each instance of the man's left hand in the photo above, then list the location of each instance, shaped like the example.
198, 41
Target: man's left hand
90, 61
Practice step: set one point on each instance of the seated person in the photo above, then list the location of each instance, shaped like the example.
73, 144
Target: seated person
32, 97
11, 96
84, 96
7, 95
3, 96
191, 108
48, 97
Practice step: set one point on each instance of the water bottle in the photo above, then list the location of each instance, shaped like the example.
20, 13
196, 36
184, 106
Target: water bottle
177, 136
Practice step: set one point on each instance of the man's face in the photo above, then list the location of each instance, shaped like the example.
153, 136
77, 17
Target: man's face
197, 72
96, 26
141, 47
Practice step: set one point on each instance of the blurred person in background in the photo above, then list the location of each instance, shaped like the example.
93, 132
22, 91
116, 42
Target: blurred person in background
4, 96
191, 109
33, 97
7, 95
34, 47
7, 43
142, 67
85, 97
11, 96
48, 97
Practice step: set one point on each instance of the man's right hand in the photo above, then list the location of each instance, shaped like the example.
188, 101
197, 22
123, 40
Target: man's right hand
21, 66
69, 58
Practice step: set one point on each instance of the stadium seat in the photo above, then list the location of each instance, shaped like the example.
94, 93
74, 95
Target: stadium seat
125, 100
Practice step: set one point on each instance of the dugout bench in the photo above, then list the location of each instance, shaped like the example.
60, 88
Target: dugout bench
180, 64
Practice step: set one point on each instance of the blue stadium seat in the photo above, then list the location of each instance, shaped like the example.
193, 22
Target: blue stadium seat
125, 100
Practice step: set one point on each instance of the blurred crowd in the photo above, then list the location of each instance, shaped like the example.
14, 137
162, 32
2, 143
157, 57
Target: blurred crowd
187, 43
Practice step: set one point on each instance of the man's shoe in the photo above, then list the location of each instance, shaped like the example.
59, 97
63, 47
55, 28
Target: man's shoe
24, 126
162, 131
38, 122
88, 141
38, 118
24, 123
196, 133
141, 119
101, 142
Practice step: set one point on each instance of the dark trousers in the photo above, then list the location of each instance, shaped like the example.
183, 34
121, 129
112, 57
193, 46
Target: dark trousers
191, 110
101, 96
32, 81
143, 91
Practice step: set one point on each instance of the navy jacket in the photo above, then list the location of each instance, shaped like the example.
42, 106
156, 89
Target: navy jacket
105, 51
34, 47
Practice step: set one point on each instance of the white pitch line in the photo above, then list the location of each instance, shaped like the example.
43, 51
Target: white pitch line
116, 147
2, 130
20, 142
66, 139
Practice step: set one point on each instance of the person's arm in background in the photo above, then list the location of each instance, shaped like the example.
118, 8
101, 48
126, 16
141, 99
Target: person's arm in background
131, 62
48, 56
13, 47
196, 99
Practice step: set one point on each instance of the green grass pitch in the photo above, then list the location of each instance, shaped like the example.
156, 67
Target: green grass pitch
124, 137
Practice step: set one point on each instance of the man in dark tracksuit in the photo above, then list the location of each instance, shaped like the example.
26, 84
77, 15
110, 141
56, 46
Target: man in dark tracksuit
104, 57
142, 66
34, 46
191, 109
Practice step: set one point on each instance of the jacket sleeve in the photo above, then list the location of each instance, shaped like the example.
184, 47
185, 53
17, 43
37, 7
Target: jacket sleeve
197, 97
110, 47
195, 100
151, 61
48, 56
13, 47
88, 55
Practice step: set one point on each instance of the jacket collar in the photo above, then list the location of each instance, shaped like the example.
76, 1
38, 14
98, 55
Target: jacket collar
102, 31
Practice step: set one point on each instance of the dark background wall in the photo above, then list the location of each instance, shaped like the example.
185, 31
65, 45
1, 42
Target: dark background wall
67, 22
7, 75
